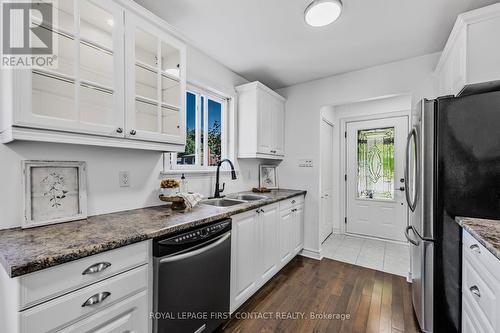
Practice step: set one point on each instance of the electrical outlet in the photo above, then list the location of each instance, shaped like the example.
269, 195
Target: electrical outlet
305, 163
124, 178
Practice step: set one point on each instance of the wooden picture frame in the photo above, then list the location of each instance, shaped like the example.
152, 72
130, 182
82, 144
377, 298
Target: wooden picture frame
268, 176
54, 192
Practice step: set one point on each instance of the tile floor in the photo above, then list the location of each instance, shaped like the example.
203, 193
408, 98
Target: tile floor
376, 254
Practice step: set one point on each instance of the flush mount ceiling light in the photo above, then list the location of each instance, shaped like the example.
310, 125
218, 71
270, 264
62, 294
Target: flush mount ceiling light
322, 12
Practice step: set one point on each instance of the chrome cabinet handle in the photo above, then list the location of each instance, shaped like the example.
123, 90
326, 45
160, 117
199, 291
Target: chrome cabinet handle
293, 201
96, 299
96, 268
258, 211
262, 211
475, 248
119, 130
475, 291
133, 132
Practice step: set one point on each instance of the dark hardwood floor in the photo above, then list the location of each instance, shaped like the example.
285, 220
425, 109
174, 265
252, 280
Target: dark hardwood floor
374, 301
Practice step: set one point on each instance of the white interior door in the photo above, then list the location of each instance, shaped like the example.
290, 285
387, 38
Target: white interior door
326, 225
375, 201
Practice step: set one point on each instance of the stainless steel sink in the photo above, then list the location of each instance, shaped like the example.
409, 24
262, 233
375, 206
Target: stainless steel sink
223, 202
249, 197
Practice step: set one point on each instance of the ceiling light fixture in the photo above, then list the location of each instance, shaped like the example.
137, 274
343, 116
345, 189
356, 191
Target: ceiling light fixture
322, 12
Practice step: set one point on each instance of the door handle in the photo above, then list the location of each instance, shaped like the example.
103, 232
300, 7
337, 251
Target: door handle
412, 202
407, 235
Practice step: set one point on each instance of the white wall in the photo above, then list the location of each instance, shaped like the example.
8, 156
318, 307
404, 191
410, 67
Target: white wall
104, 194
304, 102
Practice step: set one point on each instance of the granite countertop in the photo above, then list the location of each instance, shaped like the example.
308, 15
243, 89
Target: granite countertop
487, 232
30, 250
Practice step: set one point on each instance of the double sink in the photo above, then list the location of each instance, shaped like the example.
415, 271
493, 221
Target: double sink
233, 200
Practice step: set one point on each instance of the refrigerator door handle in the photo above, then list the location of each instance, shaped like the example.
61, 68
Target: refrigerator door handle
407, 230
412, 202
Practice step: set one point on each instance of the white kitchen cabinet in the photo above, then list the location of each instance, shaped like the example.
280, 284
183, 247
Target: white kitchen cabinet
291, 230
156, 83
85, 93
102, 93
470, 61
480, 288
126, 316
269, 245
244, 257
258, 240
53, 299
261, 122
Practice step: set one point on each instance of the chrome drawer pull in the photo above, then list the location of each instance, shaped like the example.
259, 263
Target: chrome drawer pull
293, 201
475, 248
475, 291
96, 268
96, 299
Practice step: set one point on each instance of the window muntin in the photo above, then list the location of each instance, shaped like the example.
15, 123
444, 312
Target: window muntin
205, 118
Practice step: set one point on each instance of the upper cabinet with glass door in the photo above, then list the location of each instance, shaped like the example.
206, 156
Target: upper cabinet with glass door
156, 86
84, 93
120, 80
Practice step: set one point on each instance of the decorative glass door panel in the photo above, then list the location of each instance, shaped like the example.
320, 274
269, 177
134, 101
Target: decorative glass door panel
85, 92
374, 177
376, 163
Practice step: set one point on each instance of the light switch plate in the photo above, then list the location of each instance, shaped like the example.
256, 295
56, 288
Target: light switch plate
124, 178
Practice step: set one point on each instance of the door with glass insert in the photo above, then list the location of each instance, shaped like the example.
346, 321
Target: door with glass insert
84, 93
375, 193
156, 83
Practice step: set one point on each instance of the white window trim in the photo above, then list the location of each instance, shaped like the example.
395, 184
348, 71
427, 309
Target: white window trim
170, 165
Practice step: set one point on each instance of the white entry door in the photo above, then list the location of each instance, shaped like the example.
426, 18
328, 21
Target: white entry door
326, 206
375, 151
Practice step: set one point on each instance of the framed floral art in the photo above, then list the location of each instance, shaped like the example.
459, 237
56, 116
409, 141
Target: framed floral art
55, 192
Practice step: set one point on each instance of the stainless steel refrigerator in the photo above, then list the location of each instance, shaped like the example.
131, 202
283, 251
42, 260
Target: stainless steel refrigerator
452, 169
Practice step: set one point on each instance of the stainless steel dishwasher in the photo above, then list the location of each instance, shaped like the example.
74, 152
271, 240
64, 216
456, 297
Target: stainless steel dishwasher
192, 279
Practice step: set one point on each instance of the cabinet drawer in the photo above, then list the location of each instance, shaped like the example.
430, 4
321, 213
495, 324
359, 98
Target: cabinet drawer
52, 282
130, 315
288, 203
61, 311
479, 256
482, 290
472, 319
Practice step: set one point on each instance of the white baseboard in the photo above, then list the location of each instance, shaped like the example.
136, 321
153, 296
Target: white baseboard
311, 254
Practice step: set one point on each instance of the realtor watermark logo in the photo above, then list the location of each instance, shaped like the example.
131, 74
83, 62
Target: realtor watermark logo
28, 37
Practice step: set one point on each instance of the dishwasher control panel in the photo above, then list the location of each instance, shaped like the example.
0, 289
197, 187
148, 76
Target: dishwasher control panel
192, 237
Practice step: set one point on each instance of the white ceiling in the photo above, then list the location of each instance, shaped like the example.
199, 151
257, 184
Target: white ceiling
267, 40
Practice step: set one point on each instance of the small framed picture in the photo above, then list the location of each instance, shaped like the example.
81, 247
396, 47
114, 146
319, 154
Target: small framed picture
55, 192
268, 176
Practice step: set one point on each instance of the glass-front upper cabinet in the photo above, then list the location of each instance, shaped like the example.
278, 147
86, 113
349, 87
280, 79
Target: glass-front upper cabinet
84, 93
156, 83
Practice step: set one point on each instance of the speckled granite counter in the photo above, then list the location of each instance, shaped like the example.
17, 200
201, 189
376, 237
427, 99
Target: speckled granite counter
487, 232
30, 250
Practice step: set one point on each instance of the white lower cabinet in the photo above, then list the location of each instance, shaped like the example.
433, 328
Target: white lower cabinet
126, 316
480, 288
244, 274
107, 292
262, 242
269, 242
